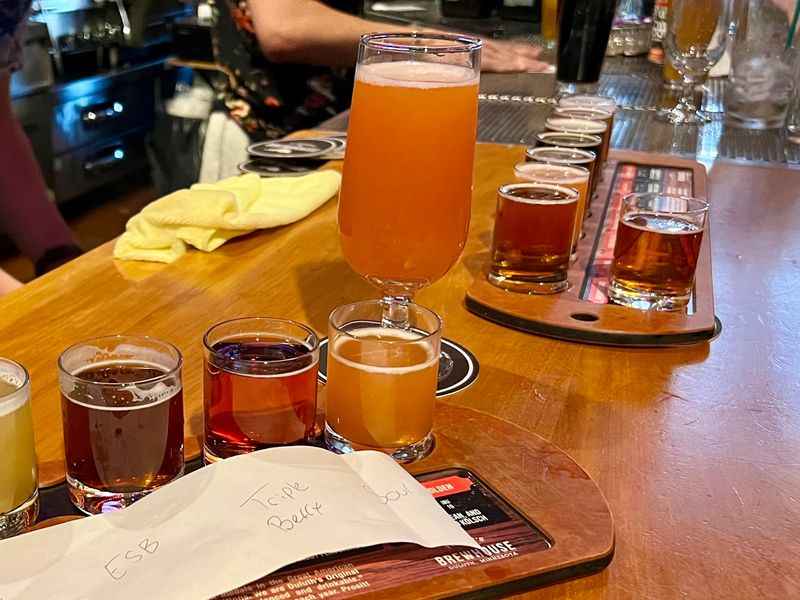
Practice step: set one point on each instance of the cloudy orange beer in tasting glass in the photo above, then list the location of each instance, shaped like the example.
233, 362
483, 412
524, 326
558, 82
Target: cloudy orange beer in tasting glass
404, 207
381, 387
574, 177
532, 242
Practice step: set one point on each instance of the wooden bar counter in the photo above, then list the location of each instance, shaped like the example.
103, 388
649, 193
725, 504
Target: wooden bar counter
696, 448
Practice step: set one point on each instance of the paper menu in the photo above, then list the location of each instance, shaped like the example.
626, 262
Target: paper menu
228, 524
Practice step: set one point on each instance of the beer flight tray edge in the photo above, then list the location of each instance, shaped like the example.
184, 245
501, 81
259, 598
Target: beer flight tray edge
580, 314
537, 514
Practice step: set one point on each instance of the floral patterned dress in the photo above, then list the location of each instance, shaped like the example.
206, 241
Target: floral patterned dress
270, 100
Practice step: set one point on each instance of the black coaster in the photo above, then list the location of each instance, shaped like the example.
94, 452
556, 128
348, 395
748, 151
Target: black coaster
294, 148
463, 374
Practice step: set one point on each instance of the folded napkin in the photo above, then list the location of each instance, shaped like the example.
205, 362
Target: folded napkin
208, 215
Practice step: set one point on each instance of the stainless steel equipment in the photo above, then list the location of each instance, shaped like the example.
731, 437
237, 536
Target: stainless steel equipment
87, 94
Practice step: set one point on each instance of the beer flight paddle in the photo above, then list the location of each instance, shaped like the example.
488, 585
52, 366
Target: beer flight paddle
583, 313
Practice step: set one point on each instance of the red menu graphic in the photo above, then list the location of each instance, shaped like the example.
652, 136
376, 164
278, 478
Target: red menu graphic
629, 179
502, 532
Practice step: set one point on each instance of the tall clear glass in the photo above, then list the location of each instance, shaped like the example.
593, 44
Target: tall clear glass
19, 492
697, 35
404, 207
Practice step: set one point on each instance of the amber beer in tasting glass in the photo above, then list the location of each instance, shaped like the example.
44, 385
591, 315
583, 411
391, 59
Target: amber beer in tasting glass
405, 202
19, 492
122, 411
259, 386
656, 252
532, 242
573, 177
381, 388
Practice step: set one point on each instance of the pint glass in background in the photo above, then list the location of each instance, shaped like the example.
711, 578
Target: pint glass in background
259, 386
122, 411
584, 29
404, 207
573, 177
656, 252
19, 492
381, 388
532, 241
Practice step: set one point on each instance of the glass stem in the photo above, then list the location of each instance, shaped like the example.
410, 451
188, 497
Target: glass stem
395, 312
687, 95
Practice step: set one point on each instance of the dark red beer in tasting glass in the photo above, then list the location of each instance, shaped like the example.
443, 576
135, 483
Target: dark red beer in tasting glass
122, 411
259, 387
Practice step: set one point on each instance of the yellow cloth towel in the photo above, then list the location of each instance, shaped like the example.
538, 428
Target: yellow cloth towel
208, 215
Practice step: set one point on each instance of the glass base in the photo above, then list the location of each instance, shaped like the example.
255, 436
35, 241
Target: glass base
570, 88
93, 501
679, 116
404, 454
775, 121
527, 286
18, 520
643, 300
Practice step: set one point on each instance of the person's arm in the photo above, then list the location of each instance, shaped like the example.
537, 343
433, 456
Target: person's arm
8, 283
308, 32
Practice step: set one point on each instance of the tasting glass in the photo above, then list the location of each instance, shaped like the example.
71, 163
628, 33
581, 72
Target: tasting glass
575, 125
576, 141
259, 385
381, 387
656, 251
122, 412
571, 176
533, 234
19, 491
697, 35
590, 114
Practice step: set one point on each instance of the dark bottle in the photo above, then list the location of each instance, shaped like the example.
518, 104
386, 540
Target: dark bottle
583, 36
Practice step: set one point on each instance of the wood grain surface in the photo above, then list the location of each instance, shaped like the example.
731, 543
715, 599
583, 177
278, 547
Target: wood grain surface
567, 316
696, 449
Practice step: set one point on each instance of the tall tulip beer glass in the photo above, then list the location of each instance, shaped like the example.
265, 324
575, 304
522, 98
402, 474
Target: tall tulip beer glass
405, 202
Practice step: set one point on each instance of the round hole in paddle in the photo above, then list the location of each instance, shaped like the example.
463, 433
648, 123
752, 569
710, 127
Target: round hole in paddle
585, 317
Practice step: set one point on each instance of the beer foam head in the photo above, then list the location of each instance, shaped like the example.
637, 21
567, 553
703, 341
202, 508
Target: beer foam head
386, 335
416, 74
12, 393
570, 124
144, 394
590, 101
551, 173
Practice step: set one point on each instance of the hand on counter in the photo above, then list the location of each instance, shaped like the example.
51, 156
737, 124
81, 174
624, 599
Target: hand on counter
8, 283
512, 57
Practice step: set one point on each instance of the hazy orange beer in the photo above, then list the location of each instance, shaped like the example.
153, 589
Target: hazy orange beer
405, 201
381, 389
